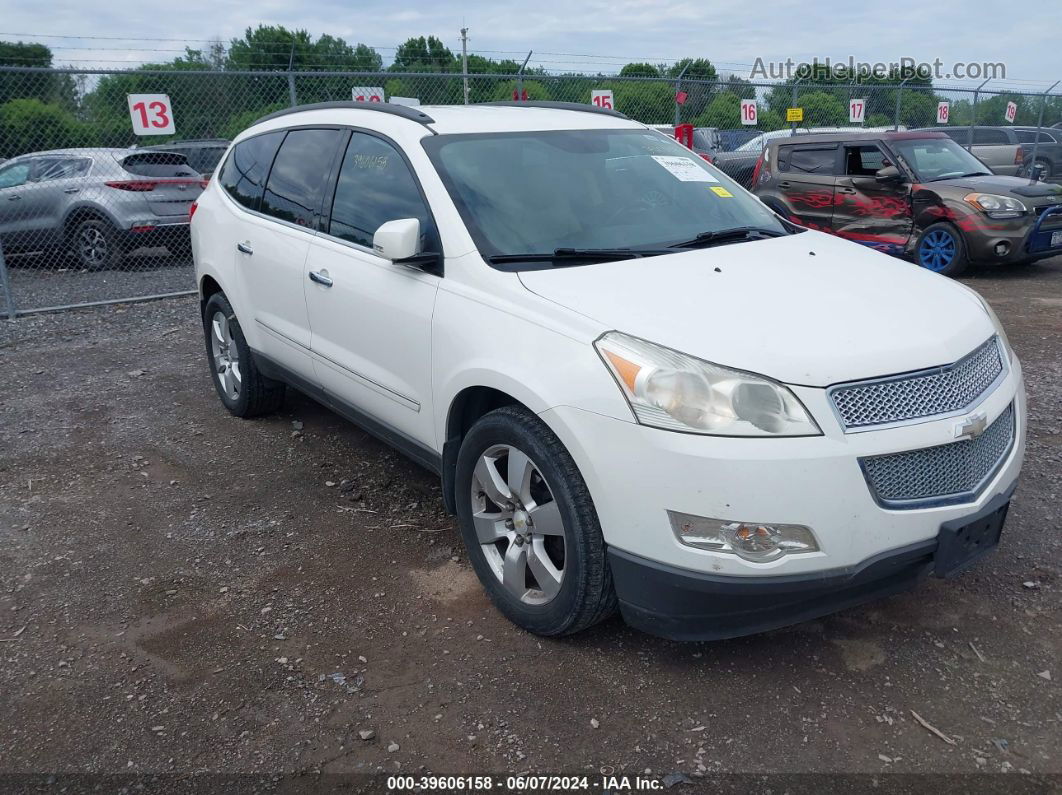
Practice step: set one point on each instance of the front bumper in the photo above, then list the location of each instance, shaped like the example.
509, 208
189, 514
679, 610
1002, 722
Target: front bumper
1027, 238
635, 474
684, 605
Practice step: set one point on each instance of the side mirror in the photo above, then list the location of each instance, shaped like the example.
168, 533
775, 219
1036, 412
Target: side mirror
397, 240
888, 175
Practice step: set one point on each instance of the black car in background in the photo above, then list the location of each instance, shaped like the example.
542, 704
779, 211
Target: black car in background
203, 155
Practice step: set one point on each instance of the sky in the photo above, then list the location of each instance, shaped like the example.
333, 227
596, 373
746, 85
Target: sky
590, 35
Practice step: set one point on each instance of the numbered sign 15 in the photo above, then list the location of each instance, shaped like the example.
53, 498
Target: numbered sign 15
367, 94
748, 112
1011, 113
602, 98
857, 110
943, 112
152, 114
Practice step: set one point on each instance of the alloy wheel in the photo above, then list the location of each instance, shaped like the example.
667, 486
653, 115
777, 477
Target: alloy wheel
518, 524
93, 247
226, 356
937, 250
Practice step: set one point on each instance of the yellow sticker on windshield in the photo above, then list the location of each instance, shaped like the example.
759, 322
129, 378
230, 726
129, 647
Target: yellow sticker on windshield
723, 192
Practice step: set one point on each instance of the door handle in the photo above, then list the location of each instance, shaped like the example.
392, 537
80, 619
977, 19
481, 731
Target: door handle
847, 190
785, 185
244, 248
320, 278
14, 198
71, 190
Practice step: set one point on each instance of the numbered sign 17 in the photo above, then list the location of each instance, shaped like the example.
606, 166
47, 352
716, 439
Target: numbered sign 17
748, 112
1012, 112
857, 110
602, 98
367, 94
152, 114
943, 112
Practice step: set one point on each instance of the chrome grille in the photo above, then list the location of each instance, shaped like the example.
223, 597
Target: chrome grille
927, 393
951, 472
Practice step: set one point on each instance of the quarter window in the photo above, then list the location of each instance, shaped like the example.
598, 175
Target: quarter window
298, 176
375, 186
244, 173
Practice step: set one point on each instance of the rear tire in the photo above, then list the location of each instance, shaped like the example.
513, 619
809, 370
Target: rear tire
96, 245
542, 559
243, 390
941, 249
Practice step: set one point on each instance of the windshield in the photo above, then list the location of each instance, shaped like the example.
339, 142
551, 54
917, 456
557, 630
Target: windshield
938, 158
536, 192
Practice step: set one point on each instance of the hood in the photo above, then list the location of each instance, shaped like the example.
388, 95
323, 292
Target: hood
806, 309
994, 183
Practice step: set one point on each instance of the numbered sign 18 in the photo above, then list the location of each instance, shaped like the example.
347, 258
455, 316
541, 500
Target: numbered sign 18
943, 112
151, 114
602, 98
748, 112
857, 110
367, 94
1011, 113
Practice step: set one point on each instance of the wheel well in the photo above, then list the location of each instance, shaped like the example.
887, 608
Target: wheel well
83, 214
207, 288
470, 404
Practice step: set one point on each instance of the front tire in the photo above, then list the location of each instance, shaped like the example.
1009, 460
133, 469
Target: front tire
243, 390
530, 527
941, 249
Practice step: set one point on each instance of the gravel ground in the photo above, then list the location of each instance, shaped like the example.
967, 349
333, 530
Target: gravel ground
182, 591
37, 282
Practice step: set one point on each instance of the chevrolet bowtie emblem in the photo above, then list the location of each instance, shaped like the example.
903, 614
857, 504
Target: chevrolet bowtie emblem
972, 427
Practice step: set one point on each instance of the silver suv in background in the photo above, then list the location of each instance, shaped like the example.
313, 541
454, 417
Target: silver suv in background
99, 204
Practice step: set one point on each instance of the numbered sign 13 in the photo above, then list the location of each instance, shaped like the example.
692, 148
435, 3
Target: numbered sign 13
367, 94
151, 114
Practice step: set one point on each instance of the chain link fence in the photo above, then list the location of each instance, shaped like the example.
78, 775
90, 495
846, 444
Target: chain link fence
91, 211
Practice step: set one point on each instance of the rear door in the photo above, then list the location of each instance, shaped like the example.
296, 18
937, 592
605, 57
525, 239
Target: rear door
805, 179
996, 150
866, 211
59, 181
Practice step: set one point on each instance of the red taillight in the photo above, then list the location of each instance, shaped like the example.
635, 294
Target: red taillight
192, 209
756, 171
133, 185
1019, 156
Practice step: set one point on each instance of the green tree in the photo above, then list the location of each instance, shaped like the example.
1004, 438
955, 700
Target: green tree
535, 90
639, 70
723, 112
699, 83
47, 87
30, 125
422, 54
822, 109
649, 103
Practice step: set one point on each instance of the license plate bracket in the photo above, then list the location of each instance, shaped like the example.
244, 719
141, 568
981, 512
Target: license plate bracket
963, 541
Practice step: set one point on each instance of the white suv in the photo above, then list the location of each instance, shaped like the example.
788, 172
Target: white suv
641, 388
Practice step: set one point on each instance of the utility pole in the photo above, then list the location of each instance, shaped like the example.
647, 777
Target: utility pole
464, 60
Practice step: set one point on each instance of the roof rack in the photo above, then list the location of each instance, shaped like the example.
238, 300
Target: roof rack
577, 106
405, 111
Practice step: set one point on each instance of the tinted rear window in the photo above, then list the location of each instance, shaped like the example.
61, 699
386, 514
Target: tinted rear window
158, 164
989, 137
244, 173
299, 174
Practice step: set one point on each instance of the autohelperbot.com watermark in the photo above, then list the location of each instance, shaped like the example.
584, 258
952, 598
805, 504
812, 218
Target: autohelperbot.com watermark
851, 69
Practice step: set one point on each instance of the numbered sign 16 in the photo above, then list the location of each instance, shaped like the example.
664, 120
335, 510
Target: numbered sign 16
1012, 112
943, 112
748, 112
857, 110
602, 98
367, 94
151, 114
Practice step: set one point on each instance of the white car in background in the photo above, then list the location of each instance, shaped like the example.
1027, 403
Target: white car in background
640, 387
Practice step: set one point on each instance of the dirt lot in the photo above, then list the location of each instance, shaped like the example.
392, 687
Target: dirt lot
182, 591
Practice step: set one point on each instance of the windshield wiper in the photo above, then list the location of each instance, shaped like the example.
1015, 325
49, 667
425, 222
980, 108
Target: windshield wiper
734, 235
565, 256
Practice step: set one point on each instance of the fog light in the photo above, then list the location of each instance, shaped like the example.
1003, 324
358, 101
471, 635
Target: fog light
748, 540
1002, 249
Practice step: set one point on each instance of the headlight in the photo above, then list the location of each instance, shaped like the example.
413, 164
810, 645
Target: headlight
995, 206
670, 390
